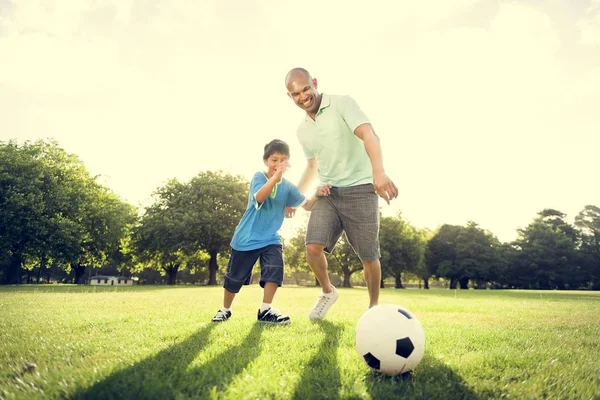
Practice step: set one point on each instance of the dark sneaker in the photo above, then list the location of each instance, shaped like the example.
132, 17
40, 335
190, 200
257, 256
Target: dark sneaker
221, 316
273, 316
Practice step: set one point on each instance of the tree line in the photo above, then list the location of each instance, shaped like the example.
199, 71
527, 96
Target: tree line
59, 224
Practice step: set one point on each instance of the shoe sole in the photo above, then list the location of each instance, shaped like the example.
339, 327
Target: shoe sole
275, 323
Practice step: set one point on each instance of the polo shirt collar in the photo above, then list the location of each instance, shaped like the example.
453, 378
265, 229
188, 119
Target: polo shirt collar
324, 104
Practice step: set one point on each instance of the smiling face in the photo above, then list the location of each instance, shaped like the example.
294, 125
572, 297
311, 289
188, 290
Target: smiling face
274, 161
303, 90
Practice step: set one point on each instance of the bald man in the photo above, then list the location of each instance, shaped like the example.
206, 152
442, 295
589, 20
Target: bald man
343, 150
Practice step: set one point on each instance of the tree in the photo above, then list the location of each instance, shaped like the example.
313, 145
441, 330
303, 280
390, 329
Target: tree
344, 261
401, 248
441, 254
187, 217
50, 213
547, 256
160, 237
464, 253
214, 204
588, 223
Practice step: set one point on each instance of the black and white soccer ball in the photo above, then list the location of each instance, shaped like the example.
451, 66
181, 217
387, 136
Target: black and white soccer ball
390, 339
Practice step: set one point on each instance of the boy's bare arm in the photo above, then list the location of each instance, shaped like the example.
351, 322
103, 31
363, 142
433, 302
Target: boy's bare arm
265, 191
309, 174
323, 190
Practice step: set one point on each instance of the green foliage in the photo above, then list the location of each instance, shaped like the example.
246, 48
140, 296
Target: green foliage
53, 212
188, 217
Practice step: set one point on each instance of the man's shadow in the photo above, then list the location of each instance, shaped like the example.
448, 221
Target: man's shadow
431, 380
167, 374
321, 376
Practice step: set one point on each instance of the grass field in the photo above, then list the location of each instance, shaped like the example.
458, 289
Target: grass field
159, 343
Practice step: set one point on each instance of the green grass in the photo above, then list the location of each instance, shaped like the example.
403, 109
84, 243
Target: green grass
159, 343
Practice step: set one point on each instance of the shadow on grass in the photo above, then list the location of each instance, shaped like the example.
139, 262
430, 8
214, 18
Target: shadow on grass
168, 374
431, 380
321, 376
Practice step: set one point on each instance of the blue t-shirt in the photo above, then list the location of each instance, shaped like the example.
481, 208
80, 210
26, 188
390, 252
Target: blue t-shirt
261, 221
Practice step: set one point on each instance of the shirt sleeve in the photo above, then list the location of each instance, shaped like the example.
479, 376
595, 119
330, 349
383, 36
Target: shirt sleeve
352, 113
295, 198
258, 180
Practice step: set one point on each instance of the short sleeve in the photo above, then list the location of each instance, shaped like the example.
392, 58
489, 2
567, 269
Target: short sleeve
352, 113
258, 180
294, 198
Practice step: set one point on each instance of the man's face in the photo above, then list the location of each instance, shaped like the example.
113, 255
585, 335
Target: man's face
304, 93
274, 161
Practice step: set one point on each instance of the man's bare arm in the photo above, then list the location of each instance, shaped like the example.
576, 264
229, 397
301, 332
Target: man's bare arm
383, 184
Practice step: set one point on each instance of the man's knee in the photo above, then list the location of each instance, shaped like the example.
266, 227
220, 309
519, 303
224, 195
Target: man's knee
314, 250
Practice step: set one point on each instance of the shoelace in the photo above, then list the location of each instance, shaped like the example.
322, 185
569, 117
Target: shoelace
221, 314
322, 302
275, 312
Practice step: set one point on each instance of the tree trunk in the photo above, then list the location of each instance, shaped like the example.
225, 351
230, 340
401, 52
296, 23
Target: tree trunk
212, 269
426, 283
453, 282
347, 276
399, 284
464, 283
381, 284
79, 272
172, 274
480, 284
13, 273
42, 266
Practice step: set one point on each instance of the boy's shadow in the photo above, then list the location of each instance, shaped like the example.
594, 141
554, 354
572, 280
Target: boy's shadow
321, 376
432, 380
167, 374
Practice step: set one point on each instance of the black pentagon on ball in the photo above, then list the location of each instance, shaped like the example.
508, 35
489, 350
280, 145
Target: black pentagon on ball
404, 347
405, 313
372, 361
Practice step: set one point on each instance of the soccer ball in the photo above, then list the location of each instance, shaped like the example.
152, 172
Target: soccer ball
390, 339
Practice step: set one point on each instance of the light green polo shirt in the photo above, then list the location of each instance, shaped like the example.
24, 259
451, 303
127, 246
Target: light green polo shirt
330, 139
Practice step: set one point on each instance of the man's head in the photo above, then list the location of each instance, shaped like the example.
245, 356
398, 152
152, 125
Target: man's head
276, 152
302, 88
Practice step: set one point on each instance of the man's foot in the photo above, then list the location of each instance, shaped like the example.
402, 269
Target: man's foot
221, 316
324, 302
273, 316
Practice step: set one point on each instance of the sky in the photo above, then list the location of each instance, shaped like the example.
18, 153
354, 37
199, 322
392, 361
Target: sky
487, 110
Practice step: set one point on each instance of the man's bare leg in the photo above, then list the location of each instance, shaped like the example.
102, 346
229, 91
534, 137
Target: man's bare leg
372, 273
317, 261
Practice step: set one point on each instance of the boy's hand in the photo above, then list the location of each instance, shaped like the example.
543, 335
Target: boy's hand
290, 212
323, 190
281, 168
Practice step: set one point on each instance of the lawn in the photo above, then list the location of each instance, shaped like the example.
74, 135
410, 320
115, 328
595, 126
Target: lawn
158, 343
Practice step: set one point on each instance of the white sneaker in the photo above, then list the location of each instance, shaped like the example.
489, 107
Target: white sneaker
324, 302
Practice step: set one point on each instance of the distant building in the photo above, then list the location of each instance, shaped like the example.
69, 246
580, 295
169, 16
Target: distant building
106, 280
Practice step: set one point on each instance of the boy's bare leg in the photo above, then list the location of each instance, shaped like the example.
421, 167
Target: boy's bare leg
372, 273
269, 292
271, 315
317, 261
228, 298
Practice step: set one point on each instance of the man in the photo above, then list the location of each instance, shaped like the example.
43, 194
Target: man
343, 149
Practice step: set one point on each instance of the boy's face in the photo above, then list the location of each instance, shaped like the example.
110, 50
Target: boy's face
274, 161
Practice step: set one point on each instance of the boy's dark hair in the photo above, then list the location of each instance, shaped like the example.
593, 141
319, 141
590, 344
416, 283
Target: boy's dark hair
276, 146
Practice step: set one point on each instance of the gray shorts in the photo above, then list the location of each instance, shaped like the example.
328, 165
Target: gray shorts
353, 210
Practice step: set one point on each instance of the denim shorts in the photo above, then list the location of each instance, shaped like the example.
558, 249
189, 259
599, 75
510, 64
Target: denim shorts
241, 263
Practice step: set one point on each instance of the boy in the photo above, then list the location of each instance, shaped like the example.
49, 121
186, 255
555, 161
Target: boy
256, 236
